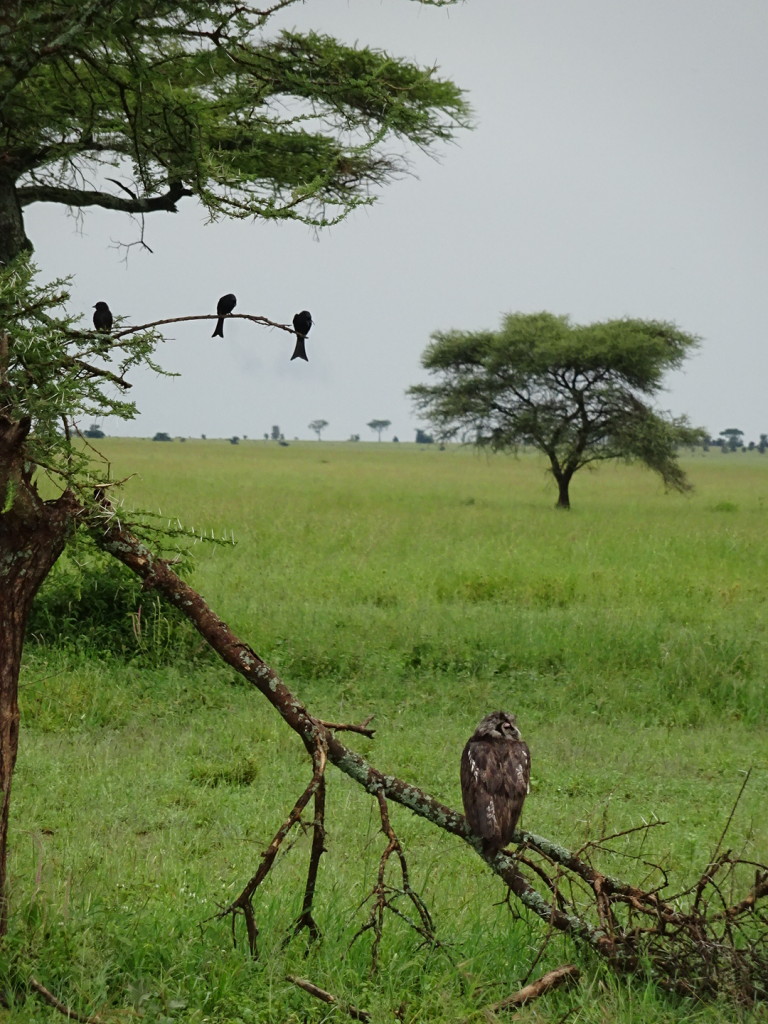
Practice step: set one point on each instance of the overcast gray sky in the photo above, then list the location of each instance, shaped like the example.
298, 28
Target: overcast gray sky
619, 167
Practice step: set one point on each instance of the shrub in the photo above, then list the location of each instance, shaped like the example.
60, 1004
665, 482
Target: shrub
92, 601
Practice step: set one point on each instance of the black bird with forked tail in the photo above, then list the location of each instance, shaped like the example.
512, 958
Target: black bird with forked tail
224, 307
301, 324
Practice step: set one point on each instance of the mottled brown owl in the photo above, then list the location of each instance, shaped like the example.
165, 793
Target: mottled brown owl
495, 775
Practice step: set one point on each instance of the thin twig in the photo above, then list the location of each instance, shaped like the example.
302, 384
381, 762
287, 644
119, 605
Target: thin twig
306, 918
243, 903
730, 816
362, 728
264, 321
384, 895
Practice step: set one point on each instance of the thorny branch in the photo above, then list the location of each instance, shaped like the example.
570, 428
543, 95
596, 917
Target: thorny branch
705, 948
385, 895
243, 904
306, 918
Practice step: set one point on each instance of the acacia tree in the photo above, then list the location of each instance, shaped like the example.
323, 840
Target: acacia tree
191, 97
181, 99
732, 438
579, 394
318, 426
379, 426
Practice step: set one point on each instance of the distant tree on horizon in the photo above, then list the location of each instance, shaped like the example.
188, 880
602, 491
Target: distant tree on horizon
379, 426
732, 438
318, 426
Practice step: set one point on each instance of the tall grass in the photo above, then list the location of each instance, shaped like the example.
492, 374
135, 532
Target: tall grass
427, 587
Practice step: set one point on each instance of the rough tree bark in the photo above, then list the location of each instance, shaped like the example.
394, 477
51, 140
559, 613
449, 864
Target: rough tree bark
13, 238
563, 487
32, 536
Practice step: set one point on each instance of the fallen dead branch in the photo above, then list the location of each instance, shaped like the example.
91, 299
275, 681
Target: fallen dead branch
327, 997
696, 943
566, 975
57, 1004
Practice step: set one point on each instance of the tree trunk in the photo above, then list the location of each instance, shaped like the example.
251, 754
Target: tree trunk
563, 480
13, 238
32, 536
563, 499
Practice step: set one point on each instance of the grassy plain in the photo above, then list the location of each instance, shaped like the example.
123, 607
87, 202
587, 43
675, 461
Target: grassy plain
426, 587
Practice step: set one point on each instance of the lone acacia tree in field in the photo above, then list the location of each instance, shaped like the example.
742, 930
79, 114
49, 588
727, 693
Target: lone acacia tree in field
180, 99
379, 426
318, 426
579, 394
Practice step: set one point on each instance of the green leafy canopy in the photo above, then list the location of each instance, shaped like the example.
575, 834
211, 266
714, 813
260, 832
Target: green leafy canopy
578, 393
194, 98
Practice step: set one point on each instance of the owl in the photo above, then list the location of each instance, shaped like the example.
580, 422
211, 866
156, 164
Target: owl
495, 774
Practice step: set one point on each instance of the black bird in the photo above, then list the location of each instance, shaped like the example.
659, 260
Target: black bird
102, 318
224, 307
301, 324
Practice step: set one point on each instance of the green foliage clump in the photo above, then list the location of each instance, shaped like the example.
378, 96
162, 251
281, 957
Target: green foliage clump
91, 603
194, 98
57, 375
235, 768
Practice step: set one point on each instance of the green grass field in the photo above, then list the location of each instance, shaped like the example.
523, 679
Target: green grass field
425, 587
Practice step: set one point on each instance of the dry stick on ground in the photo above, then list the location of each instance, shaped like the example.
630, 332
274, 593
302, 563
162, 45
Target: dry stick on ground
57, 1004
567, 974
327, 997
682, 949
